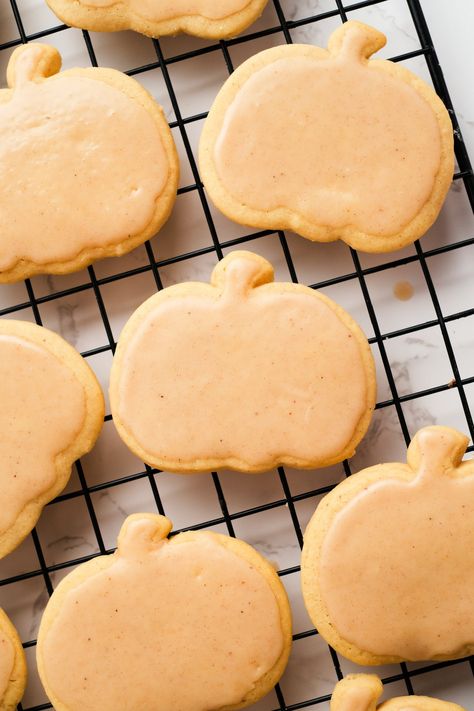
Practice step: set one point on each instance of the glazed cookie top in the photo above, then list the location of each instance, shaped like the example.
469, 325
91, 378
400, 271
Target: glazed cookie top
360, 692
86, 156
171, 9
13, 671
204, 18
7, 659
51, 411
327, 143
182, 399
35, 426
392, 552
218, 620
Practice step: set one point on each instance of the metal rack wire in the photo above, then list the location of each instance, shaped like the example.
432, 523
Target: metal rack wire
94, 284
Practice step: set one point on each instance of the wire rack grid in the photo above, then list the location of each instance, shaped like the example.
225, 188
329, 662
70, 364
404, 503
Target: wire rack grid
281, 490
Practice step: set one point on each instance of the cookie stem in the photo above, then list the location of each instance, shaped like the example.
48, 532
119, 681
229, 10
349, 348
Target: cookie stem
434, 449
357, 692
31, 62
356, 41
141, 533
241, 271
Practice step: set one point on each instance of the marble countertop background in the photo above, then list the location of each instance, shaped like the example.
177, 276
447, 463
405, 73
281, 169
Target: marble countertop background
418, 360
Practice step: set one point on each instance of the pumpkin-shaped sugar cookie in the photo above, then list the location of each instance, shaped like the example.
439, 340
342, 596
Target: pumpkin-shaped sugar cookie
388, 559
88, 166
200, 622
51, 413
329, 144
360, 692
203, 18
13, 671
241, 373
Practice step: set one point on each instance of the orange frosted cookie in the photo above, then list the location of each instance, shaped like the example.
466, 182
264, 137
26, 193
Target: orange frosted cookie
199, 621
242, 373
13, 671
388, 559
204, 18
51, 413
360, 692
88, 166
329, 144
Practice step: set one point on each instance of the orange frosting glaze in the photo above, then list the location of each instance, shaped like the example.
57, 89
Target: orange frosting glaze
397, 563
361, 699
242, 373
42, 408
169, 9
181, 624
7, 659
332, 138
81, 165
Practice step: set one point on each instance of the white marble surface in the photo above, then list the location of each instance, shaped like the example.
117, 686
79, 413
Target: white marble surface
418, 360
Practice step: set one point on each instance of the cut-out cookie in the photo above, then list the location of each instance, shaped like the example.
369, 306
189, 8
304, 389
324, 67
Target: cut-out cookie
155, 18
329, 144
388, 559
51, 413
13, 672
200, 621
360, 692
241, 373
88, 166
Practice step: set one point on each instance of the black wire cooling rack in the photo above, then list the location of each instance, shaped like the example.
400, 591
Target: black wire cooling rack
406, 674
